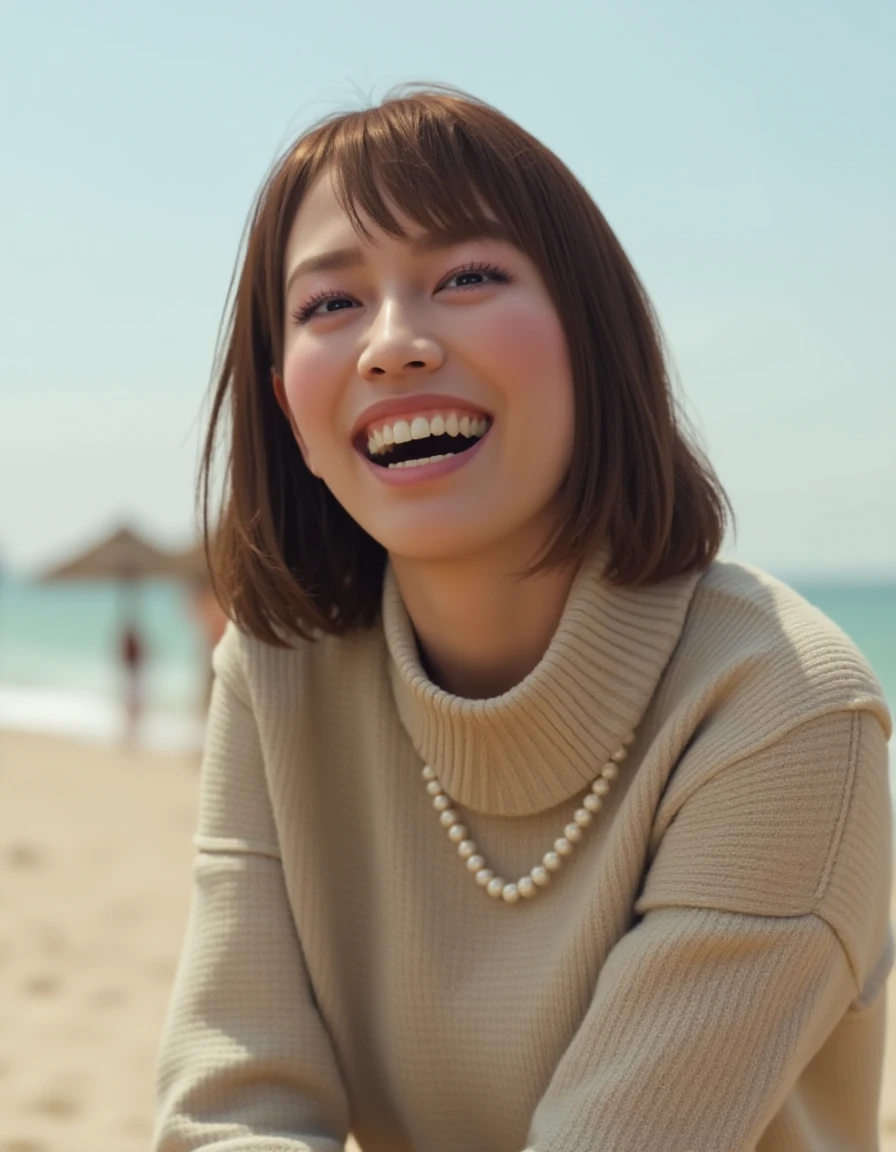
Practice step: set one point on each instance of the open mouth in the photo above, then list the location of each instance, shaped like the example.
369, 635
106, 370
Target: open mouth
424, 439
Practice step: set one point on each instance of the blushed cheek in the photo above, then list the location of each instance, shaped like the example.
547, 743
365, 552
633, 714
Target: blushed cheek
311, 403
305, 384
534, 361
530, 341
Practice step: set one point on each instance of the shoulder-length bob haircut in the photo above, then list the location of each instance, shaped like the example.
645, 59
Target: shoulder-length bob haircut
287, 560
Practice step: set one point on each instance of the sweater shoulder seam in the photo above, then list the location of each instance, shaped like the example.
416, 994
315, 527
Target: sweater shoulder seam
843, 814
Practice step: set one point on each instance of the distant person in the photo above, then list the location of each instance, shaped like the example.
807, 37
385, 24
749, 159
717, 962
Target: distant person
526, 822
133, 657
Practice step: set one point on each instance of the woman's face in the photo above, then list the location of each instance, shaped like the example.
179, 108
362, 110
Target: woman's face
444, 349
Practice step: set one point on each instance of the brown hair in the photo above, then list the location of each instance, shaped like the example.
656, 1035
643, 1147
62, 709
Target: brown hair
287, 558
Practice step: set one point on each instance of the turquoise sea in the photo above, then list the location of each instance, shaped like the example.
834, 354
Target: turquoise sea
59, 669
58, 645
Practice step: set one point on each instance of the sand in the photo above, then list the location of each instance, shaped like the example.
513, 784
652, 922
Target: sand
95, 858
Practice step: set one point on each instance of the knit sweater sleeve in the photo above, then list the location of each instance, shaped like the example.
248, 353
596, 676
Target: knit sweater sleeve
245, 1063
763, 921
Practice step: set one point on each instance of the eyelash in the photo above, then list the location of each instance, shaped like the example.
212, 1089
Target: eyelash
306, 312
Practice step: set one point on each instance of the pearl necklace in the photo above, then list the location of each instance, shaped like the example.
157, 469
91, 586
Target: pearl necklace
540, 876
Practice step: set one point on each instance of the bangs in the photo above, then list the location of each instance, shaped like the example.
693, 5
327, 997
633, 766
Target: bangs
426, 161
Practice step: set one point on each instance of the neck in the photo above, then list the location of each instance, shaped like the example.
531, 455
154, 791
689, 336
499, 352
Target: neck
480, 627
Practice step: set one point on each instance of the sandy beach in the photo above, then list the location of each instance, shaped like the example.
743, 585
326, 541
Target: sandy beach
95, 855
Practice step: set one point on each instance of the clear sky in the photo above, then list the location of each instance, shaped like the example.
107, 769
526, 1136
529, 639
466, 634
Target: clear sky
743, 153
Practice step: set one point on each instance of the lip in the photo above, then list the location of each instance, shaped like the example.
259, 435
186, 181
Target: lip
423, 473
410, 406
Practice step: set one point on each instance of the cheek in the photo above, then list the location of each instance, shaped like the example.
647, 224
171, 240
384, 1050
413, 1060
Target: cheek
308, 381
526, 344
540, 397
527, 355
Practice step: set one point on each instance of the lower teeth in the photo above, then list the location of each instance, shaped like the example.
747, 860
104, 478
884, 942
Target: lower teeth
417, 463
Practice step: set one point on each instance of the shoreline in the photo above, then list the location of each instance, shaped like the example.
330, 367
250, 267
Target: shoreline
98, 719
95, 871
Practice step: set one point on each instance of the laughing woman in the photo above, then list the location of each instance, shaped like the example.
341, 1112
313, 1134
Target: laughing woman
526, 822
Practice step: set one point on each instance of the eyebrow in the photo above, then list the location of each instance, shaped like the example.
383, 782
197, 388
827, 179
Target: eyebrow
431, 241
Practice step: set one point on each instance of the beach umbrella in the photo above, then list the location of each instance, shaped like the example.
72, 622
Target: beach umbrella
123, 555
127, 558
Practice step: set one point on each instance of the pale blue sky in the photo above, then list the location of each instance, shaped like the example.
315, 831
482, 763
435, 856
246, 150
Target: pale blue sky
742, 153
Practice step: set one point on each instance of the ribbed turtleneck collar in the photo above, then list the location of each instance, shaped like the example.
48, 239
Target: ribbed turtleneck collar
548, 737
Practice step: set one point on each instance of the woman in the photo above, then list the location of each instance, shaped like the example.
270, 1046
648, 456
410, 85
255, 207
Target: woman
525, 822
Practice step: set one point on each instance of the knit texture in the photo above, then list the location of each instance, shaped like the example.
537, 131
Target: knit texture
706, 973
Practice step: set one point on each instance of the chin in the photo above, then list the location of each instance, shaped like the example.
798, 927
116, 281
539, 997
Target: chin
431, 544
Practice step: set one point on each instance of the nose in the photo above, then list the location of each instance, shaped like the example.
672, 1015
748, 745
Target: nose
395, 348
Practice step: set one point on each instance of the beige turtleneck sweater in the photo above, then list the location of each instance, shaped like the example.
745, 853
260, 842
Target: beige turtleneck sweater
706, 973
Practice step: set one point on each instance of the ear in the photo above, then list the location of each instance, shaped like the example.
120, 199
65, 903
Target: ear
280, 393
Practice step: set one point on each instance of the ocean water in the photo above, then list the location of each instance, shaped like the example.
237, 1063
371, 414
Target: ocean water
59, 670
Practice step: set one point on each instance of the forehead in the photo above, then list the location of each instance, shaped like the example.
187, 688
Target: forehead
322, 222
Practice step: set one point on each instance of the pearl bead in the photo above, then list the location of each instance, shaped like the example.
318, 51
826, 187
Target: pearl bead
539, 876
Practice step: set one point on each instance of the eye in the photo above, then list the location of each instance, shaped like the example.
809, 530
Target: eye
476, 274
312, 306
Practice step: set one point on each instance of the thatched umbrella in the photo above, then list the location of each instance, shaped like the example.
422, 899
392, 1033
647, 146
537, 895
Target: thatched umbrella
123, 555
128, 558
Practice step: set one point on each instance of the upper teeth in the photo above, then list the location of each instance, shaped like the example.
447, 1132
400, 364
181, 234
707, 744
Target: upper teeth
401, 431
